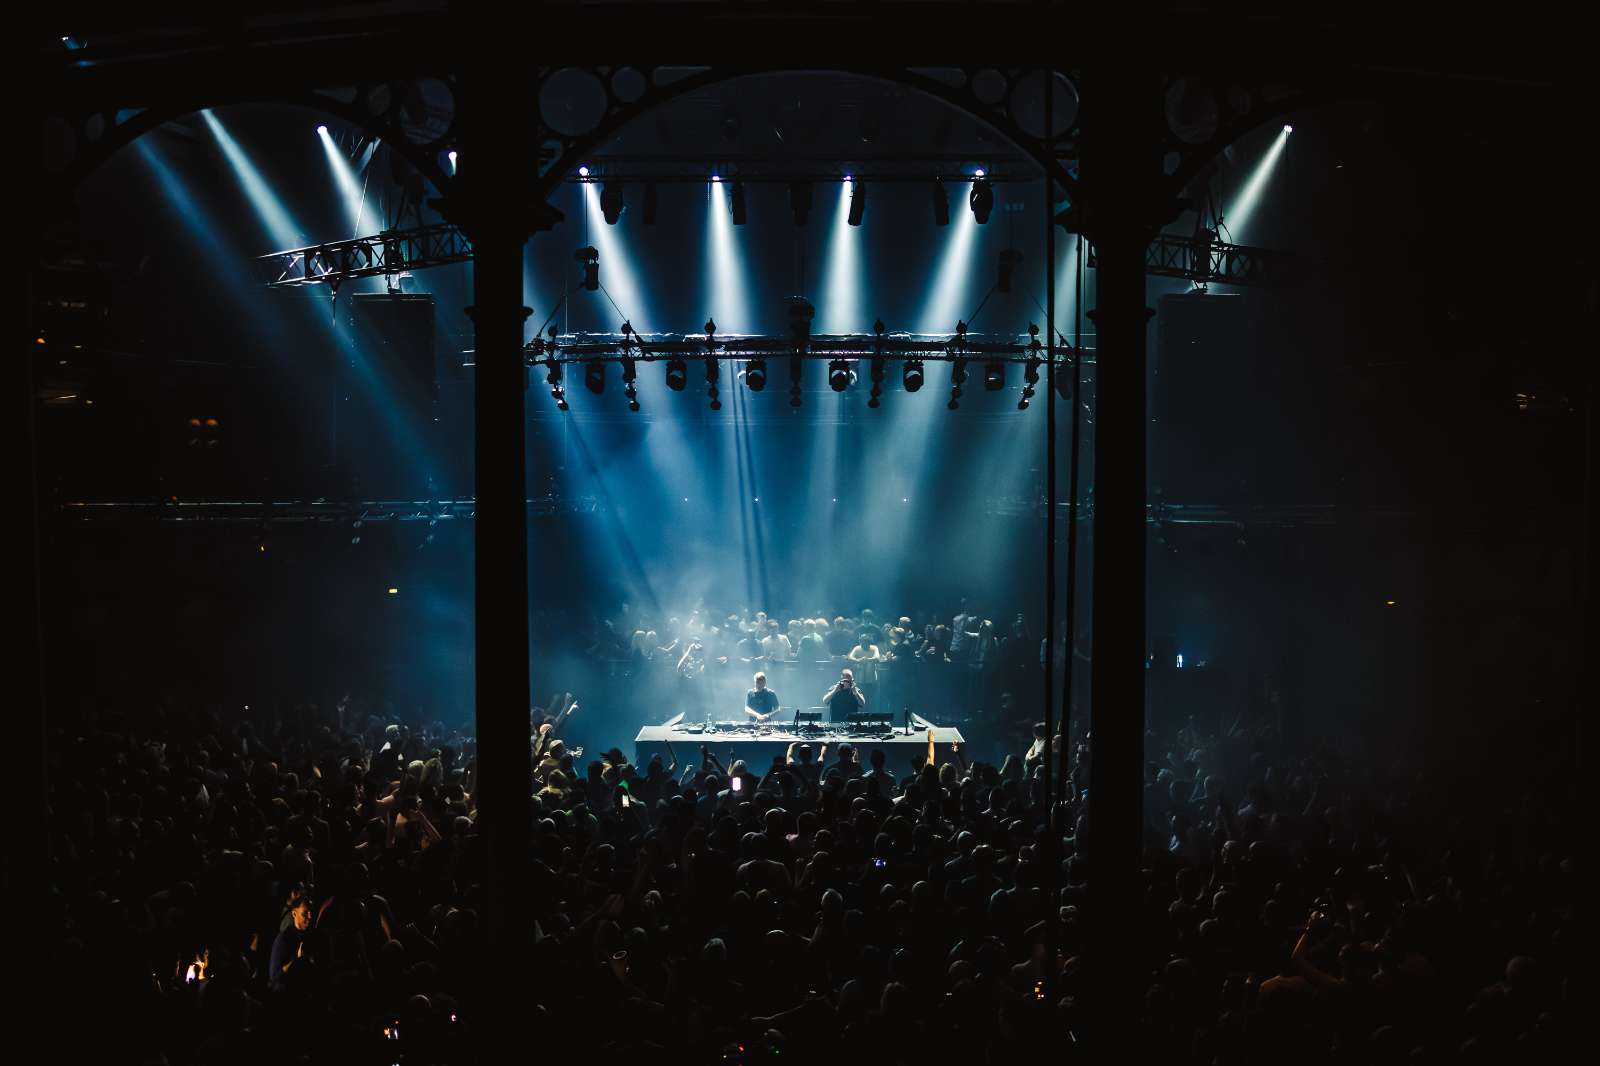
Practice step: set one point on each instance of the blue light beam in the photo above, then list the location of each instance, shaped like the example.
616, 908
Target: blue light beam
358, 212
1244, 205
270, 210
941, 312
727, 299
616, 267
841, 301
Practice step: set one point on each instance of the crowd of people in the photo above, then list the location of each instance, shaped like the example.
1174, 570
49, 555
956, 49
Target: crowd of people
312, 890
699, 638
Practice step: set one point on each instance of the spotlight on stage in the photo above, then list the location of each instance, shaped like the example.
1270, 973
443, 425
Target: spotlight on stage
1030, 372
877, 364
801, 312
677, 374
630, 375
994, 375
912, 375
591, 267
594, 376
583, 172
552, 377
1009, 260
712, 374
858, 201
981, 198
611, 202
736, 203
322, 130
839, 375
941, 203
1288, 129
800, 201
755, 375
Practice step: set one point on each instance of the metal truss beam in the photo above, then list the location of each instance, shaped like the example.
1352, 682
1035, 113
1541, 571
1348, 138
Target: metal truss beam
303, 512
120, 54
1159, 517
1212, 262
652, 348
441, 244
383, 254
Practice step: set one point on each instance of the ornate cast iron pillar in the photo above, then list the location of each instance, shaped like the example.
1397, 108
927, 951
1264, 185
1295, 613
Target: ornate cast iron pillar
1122, 209
490, 205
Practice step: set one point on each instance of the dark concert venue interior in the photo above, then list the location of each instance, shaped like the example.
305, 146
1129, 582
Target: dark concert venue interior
904, 532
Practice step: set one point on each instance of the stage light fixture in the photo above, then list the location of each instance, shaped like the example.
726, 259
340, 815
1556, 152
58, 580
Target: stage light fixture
839, 375
981, 198
650, 203
594, 376
712, 374
583, 172
611, 202
1030, 372
1009, 260
801, 312
630, 374
912, 375
736, 203
800, 201
994, 375
1288, 129
322, 130
755, 375
858, 201
941, 203
591, 267
553, 378
677, 374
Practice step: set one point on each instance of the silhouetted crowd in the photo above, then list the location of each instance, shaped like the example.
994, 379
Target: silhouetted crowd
311, 891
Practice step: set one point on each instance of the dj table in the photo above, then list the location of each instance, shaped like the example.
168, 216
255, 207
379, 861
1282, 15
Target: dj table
756, 745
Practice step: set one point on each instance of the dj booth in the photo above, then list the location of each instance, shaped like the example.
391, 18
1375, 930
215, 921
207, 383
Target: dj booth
757, 744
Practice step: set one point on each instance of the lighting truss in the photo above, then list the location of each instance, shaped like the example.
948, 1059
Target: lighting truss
1214, 262
383, 254
441, 244
937, 348
345, 513
320, 512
